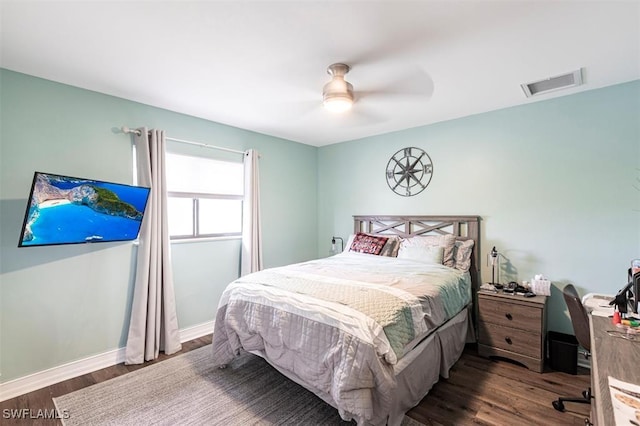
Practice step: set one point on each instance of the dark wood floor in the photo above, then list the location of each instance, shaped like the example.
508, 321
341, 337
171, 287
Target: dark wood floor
479, 392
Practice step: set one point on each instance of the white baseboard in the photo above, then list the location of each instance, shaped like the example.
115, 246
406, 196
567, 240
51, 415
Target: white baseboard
50, 376
60, 373
196, 331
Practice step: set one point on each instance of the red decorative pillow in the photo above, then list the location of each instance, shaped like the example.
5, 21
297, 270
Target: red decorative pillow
363, 243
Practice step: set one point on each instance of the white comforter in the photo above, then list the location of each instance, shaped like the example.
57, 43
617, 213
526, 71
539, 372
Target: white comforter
338, 325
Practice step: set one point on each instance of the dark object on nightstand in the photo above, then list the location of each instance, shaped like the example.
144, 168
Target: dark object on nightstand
580, 323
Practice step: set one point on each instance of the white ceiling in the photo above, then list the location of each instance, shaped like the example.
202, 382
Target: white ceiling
261, 65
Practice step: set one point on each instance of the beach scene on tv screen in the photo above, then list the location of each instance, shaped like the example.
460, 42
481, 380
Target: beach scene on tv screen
67, 210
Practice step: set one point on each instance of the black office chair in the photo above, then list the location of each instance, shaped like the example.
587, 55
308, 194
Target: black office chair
580, 322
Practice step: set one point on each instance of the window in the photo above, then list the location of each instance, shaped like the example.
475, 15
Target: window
205, 197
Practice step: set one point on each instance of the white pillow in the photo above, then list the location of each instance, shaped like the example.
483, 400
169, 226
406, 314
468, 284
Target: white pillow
447, 242
426, 254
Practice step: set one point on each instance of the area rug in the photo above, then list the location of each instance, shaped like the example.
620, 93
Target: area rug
187, 390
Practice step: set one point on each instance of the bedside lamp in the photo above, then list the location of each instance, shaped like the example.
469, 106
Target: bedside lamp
494, 259
333, 245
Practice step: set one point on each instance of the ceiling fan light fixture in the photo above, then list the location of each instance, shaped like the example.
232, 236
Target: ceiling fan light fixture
338, 103
337, 95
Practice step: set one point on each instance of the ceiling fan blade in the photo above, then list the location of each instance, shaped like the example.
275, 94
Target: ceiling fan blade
399, 44
416, 83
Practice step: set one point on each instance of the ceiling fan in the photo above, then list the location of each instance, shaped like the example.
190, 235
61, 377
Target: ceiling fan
337, 95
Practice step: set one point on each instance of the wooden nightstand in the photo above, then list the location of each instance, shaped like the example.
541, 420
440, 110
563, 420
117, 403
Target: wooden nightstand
513, 327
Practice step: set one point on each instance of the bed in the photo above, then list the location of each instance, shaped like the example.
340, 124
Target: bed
369, 330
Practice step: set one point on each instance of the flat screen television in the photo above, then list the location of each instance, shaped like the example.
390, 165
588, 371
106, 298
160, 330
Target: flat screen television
71, 210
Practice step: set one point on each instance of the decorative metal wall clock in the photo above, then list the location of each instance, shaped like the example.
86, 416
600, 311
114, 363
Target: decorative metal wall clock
409, 171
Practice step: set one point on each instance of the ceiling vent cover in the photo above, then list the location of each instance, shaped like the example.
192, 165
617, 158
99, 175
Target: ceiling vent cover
563, 81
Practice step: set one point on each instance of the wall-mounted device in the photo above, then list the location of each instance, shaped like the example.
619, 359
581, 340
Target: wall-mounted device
71, 210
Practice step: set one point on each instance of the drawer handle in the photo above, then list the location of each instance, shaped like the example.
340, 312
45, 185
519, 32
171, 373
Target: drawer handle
509, 317
508, 340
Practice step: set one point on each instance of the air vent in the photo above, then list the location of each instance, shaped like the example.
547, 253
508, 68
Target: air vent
563, 81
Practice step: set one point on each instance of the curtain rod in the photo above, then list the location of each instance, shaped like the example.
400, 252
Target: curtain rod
138, 132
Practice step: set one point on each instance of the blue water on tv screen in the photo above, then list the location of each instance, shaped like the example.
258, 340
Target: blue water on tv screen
70, 210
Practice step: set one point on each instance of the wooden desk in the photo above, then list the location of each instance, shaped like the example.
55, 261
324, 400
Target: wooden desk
611, 356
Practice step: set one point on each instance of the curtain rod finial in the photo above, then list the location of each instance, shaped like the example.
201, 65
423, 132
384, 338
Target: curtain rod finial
127, 130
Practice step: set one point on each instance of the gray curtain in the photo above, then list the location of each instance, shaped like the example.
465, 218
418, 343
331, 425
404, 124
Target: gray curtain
154, 323
251, 260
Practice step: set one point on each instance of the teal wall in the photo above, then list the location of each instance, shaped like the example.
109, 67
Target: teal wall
552, 180
63, 303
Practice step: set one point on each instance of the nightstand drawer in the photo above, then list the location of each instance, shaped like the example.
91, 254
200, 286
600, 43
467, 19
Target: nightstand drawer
510, 339
505, 314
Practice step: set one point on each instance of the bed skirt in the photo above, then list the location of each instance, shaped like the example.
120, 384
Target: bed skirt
430, 360
420, 369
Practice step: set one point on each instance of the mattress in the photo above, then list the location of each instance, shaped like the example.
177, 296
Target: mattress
339, 325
